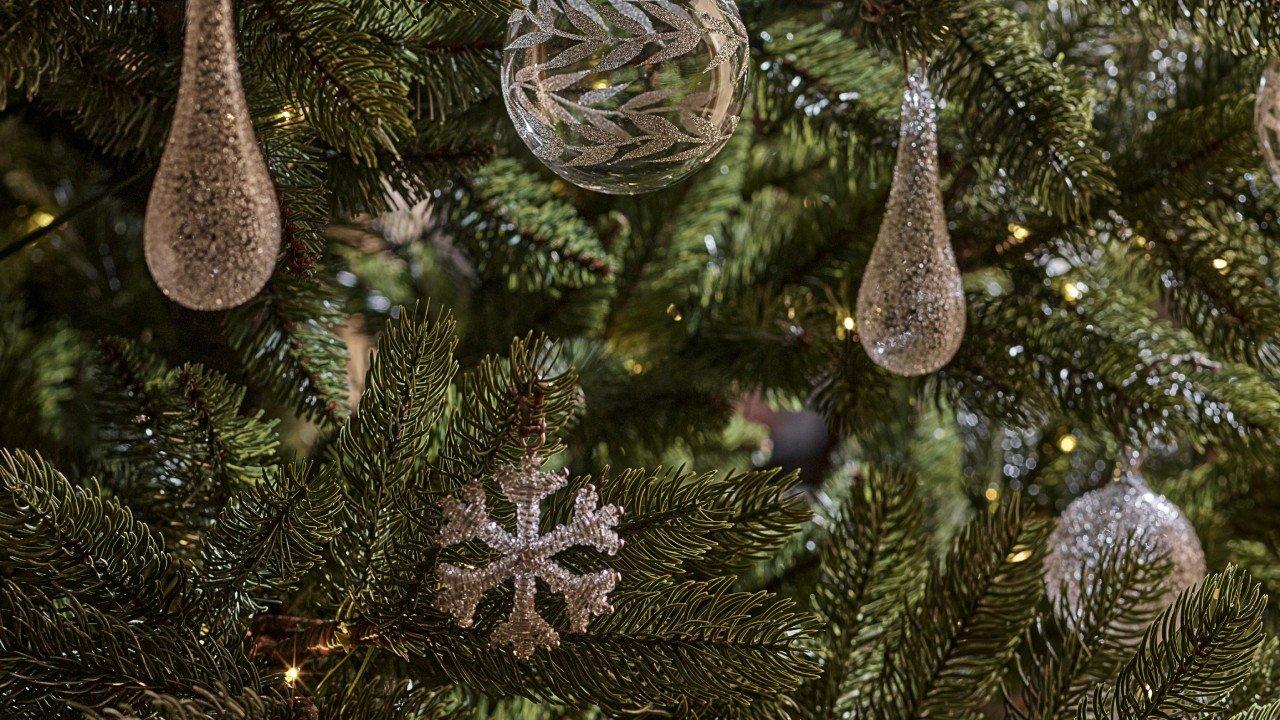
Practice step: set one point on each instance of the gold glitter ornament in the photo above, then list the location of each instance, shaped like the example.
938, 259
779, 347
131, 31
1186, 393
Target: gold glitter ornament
213, 226
527, 556
911, 306
1094, 523
625, 96
1266, 118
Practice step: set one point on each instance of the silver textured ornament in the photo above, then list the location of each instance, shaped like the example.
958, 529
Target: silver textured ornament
625, 96
528, 556
911, 306
1096, 522
213, 224
1266, 118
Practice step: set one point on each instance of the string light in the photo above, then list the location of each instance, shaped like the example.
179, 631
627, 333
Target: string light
1072, 291
1067, 443
991, 494
291, 675
40, 219
848, 323
289, 115
1021, 555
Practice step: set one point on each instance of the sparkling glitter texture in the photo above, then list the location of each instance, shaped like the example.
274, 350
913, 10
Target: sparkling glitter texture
1266, 117
911, 307
528, 556
1097, 520
625, 96
213, 227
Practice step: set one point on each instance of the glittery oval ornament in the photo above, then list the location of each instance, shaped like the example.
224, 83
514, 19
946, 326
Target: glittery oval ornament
1266, 118
1096, 521
625, 96
911, 306
213, 226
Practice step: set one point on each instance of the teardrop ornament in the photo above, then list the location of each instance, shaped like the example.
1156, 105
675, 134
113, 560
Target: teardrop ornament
212, 229
911, 306
1266, 118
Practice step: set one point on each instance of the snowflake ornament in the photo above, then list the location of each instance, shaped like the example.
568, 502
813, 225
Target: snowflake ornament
527, 556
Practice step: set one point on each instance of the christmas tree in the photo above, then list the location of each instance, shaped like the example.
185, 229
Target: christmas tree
490, 444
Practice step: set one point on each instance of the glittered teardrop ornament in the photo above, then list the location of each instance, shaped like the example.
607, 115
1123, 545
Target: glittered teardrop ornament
911, 307
1266, 118
213, 226
1095, 523
625, 96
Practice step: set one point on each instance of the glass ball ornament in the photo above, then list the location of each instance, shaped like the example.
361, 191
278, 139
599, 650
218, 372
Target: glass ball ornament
911, 305
1125, 510
625, 96
1266, 118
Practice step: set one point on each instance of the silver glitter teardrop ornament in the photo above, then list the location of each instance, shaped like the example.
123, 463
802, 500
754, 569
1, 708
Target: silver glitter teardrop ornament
213, 226
1095, 522
1266, 118
911, 307
625, 96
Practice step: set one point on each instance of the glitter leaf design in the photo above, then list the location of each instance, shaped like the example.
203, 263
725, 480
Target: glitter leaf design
584, 72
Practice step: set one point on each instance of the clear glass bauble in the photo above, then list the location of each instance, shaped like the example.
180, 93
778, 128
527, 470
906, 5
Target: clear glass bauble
1095, 523
1266, 118
625, 96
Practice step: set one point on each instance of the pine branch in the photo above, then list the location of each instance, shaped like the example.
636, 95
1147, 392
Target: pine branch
286, 342
63, 659
1259, 712
1062, 658
1195, 653
378, 449
266, 538
679, 525
671, 250
390, 698
1244, 27
82, 545
176, 444
1191, 153
1213, 268
450, 54
513, 227
954, 641
216, 703
692, 642
104, 67
1105, 361
1023, 109
1261, 684
870, 566
509, 407
822, 81
342, 81
38, 369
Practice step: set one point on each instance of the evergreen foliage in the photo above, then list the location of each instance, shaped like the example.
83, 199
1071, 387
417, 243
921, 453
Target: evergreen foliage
234, 516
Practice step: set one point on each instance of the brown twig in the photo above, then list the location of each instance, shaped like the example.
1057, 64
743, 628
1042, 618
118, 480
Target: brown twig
292, 639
